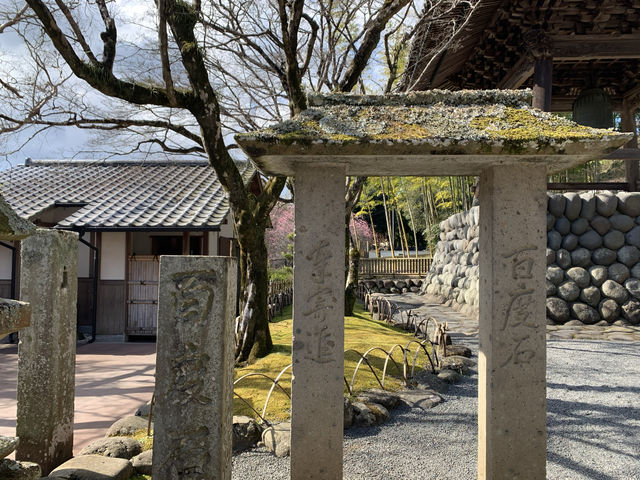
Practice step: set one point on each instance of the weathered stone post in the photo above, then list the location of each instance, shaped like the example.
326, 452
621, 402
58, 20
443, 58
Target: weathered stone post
318, 323
194, 368
512, 356
47, 348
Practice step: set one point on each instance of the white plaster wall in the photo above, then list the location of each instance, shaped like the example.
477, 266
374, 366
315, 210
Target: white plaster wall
213, 242
84, 257
5, 263
226, 229
113, 256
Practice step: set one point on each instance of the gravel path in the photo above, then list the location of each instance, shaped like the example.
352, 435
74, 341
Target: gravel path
593, 426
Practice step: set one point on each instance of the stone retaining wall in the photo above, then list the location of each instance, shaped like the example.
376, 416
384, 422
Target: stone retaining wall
393, 285
593, 255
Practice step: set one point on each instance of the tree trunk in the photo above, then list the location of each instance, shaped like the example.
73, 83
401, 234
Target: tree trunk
253, 339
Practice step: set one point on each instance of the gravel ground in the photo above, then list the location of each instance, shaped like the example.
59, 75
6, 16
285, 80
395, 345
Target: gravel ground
593, 426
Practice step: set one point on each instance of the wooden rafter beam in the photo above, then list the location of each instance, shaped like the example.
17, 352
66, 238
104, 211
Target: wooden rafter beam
595, 47
519, 74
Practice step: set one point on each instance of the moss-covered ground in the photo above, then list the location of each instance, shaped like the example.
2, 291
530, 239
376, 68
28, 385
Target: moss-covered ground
361, 334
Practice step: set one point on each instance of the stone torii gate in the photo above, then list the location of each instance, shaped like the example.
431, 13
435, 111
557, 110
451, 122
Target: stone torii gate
494, 134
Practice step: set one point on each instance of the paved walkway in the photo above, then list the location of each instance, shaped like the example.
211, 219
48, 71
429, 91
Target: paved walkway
462, 324
112, 381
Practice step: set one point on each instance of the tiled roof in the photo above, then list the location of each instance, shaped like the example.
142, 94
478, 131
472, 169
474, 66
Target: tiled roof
121, 195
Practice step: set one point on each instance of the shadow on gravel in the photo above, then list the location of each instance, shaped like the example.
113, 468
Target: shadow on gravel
569, 464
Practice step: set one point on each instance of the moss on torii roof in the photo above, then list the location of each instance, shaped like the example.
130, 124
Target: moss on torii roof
435, 132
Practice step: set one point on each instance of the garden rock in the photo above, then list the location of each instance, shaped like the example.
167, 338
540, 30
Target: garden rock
380, 412
246, 433
586, 314
588, 210
569, 242
629, 203
558, 310
363, 416
94, 467
562, 226
563, 259
348, 413
618, 272
458, 363
581, 257
635, 271
114, 447
420, 398
633, 236
7, 445
633, 287
551, 220
580, 276
555, 275
615, 291
449, 376
629, 255
387, 399
551, 288
603, 256
144, 410
606, 204
609, 310
551, 256
15, 470
573, 205
128, 426
631, 311
598, 275
600, 224
554, 240
557, 203
277, 439
579, 226
624, 223
590, 240
569, 291
461, 350
142, 464
590, 296
613, 240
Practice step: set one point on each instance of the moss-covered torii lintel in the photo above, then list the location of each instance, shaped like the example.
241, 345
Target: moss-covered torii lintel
435, 132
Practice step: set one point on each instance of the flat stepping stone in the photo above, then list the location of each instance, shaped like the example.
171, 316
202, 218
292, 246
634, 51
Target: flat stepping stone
116, 447
382, 397
94, 467
423, 398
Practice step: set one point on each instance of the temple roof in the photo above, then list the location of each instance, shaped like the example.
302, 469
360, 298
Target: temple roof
426, 133
593, 43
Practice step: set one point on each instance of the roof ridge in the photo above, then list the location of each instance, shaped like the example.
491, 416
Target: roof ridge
29, 162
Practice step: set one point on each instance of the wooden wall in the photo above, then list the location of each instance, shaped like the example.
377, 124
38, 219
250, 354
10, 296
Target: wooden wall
111, 307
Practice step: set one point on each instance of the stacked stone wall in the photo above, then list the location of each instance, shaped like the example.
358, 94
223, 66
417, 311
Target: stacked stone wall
593, 259
454, 275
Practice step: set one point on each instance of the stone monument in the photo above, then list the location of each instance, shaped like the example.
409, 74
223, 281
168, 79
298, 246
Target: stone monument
47, 348
492, 133
194, 368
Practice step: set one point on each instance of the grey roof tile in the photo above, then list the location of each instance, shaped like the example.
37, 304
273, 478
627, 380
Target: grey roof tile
121, 195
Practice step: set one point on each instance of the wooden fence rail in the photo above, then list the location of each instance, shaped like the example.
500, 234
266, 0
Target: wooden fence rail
377, 267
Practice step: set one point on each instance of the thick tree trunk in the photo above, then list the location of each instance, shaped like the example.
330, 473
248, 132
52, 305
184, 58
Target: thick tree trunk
252, 325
